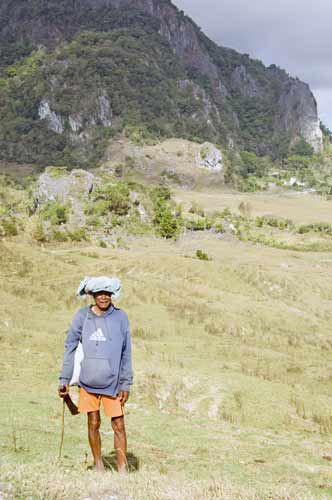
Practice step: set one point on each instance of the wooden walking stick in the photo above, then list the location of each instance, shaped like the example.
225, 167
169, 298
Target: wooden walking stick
67, 401
62, 428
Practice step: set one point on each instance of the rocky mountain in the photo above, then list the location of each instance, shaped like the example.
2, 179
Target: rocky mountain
75, 72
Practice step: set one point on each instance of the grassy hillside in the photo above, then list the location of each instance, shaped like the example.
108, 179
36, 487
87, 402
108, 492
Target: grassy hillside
232, 356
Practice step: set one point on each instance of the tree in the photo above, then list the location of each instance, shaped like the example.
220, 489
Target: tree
302, 148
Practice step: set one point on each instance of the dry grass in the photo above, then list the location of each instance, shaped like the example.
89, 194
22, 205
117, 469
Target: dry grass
232, 361
301, 208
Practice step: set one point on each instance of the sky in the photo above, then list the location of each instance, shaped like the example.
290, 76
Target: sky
293, 34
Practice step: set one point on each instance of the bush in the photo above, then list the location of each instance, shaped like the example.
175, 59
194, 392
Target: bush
302, 148
202, 255
111, 198
78, 235
298, 162
200, 224
160, 193
317, 227
280, 224
196, 209
167, 224
8, 225
55, 212
38, 234
304, 228
59, 236
218, 226
8, 228
248, 185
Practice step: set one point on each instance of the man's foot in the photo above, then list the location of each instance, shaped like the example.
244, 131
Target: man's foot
122, 469
99, 467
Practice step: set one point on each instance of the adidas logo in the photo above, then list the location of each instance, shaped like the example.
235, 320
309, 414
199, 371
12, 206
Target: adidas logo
98, 336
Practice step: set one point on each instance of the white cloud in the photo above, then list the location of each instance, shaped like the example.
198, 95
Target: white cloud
294, 34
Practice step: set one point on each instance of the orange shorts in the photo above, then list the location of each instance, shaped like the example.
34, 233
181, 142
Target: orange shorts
91, 402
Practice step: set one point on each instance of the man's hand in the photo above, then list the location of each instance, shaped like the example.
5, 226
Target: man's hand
124, 396
63, 390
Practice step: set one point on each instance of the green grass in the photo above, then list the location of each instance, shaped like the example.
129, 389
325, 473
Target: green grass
232, 394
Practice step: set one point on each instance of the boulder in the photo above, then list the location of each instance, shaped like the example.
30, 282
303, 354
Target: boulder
57, 184
210, 158
74, 188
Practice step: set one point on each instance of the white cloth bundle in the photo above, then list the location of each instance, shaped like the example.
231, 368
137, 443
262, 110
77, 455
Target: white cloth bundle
78, 357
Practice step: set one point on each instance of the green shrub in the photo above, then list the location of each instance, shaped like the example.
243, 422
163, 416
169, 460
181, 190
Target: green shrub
96, 209
218, 226
275, 222
317, 227
298, 162
304, 228
78, 235
93, 220
226, 213
302, 148
111, 198
196, 209
160, 193
204, 152
38, 233
55, 212
200, 224
102, 244
202, 255
59, 236
171, 175
248, 185
8, 227
167, 224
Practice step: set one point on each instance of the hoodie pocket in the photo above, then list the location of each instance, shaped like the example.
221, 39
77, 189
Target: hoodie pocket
96, 373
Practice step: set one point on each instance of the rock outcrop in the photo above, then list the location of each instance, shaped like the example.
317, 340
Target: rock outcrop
210, 158
53, 120
73, 189
298, 114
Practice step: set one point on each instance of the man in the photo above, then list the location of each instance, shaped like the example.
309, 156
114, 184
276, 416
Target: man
106, 370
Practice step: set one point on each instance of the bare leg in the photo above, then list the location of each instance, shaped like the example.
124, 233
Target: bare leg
120, 442
94, 438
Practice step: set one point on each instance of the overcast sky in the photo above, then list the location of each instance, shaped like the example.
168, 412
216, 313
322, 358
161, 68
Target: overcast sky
294, 34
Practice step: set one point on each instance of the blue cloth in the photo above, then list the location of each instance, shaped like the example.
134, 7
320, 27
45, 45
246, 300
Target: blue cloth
106, 367
100, 284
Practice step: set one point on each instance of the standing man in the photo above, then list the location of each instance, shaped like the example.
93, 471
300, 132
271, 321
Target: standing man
106, 370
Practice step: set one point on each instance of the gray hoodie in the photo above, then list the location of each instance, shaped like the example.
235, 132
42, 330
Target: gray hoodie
106, 367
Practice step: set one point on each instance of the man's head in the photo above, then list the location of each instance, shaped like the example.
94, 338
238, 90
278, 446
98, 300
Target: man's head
90, 286
103, 299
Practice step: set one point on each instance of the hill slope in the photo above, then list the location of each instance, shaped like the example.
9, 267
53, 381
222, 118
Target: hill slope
232, 391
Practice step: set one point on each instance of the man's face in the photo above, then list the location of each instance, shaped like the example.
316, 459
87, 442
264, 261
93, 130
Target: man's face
103, 300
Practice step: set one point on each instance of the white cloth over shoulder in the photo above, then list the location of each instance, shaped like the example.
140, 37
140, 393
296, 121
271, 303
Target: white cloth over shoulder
99, 284
79, 356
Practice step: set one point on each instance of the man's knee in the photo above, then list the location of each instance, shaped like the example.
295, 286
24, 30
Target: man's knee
118, 425
94, 421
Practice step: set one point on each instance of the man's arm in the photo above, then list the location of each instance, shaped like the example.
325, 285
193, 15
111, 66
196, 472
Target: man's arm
72, 340
126, 371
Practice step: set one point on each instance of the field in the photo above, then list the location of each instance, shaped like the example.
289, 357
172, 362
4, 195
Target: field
232, 357
301, 207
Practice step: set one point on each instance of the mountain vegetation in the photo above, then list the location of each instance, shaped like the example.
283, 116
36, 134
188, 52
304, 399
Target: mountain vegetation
75, 73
